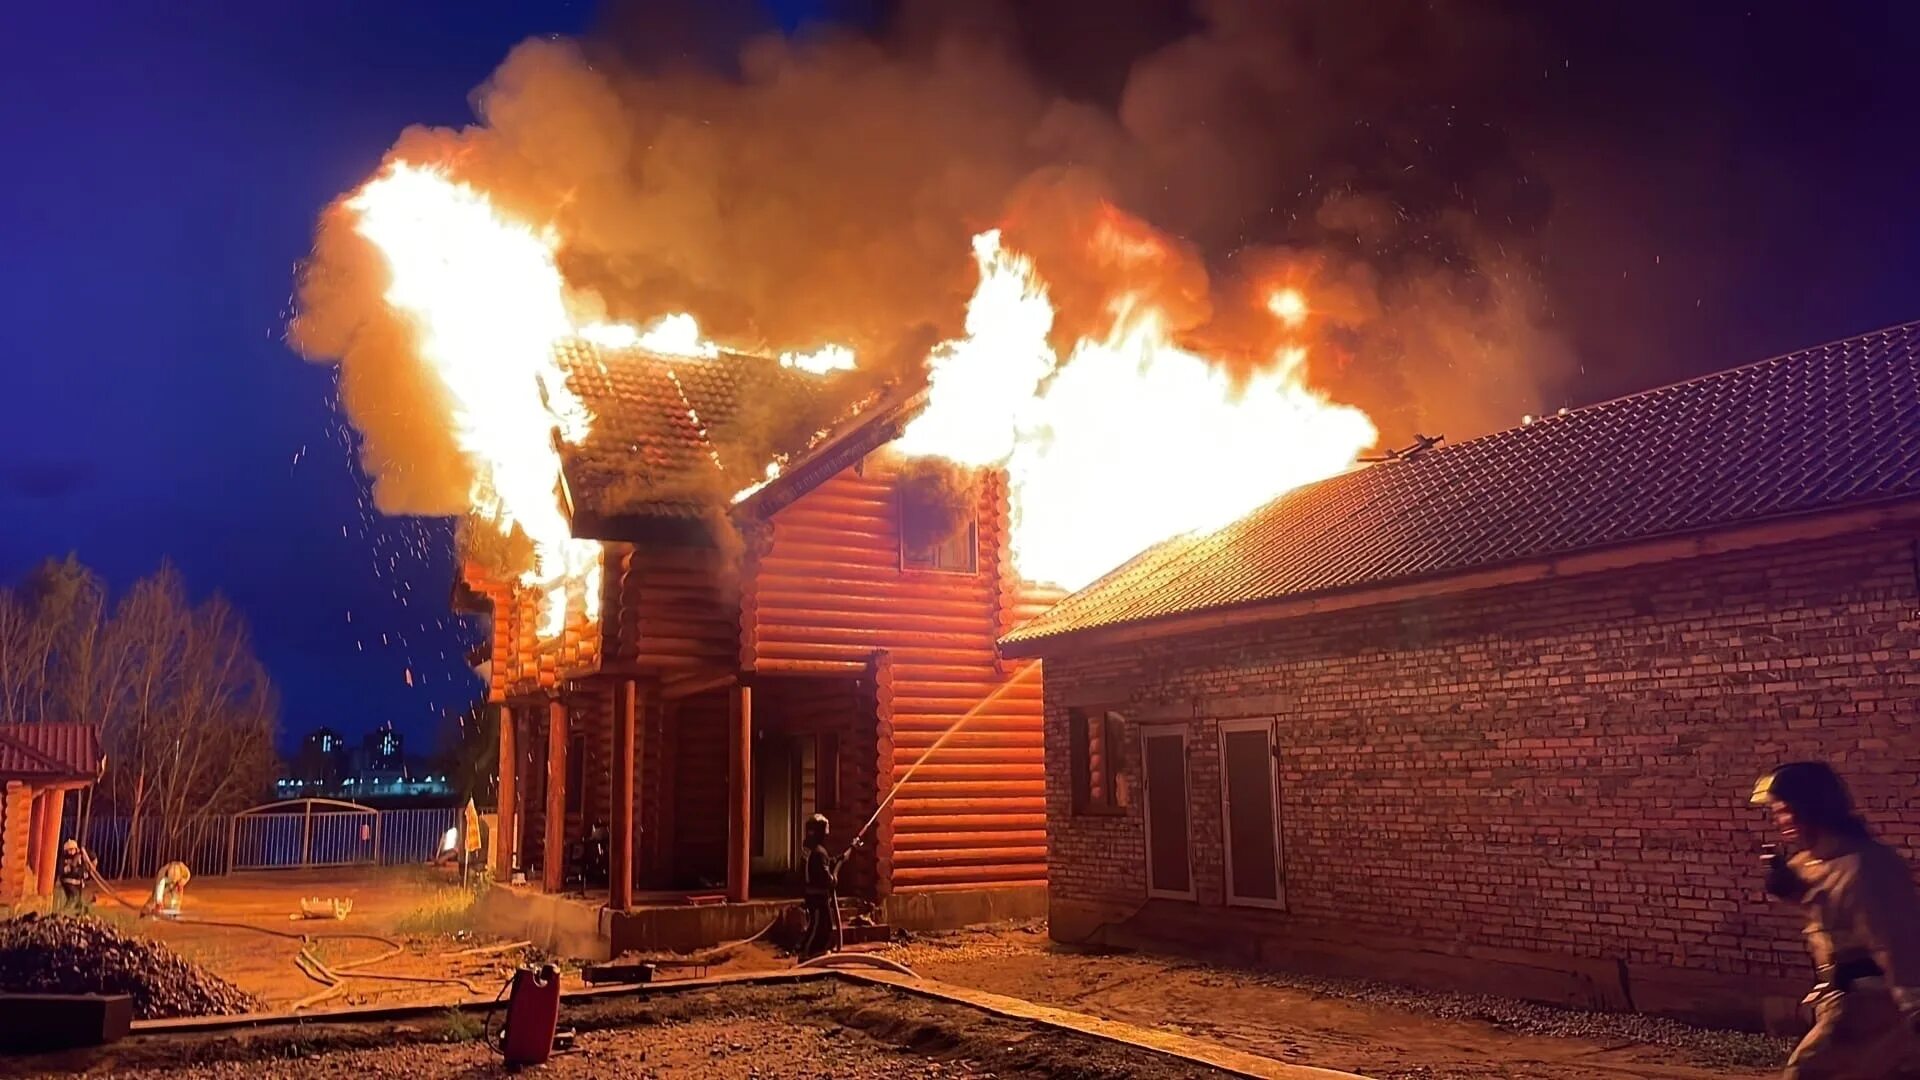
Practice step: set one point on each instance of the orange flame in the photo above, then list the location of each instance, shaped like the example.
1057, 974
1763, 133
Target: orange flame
487, 303
1132, 440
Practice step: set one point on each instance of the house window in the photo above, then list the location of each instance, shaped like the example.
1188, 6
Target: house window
1250, 813
957, 554
1095, 738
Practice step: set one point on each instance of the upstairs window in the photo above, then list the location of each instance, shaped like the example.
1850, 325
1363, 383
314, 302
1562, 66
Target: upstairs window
939, 520
1095, 742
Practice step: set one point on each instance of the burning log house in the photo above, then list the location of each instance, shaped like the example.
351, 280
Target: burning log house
783, 652
1488, 715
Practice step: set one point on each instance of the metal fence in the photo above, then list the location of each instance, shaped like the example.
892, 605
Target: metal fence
277, 836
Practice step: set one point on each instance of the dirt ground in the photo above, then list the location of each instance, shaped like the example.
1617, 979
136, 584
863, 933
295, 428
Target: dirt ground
419, 909
1328, 1023
730, 1033
1388, 1033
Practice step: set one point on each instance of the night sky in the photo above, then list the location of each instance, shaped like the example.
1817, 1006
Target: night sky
1727, 183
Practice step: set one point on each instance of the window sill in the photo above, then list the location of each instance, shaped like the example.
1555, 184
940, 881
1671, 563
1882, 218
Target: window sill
1101, 812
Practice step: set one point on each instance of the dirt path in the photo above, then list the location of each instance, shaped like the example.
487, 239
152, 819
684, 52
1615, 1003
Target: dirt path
423, 911
1327, 1023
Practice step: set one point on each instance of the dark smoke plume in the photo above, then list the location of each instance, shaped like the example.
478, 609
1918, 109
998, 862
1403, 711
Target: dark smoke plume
824, 188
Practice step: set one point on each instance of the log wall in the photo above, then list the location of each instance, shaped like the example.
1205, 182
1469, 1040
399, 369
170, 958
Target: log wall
699, 760
669, 609
826, 583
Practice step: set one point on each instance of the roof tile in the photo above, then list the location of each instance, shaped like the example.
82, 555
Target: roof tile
1820, 429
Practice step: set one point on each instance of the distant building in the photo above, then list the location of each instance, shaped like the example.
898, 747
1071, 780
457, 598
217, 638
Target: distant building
328, 766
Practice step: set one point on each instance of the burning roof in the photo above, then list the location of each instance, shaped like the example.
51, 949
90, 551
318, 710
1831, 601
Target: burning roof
1826, 428
676, 437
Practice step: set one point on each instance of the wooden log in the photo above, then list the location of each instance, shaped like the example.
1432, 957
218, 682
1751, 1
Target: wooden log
620, 845
506, 835
873, 638
740, 792
827, 668
552, 857
910, 858
969, 823
997, 772
686, 686
899, 616
1006, 874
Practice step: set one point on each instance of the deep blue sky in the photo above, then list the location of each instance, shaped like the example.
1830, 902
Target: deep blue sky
1751, 188
163, 173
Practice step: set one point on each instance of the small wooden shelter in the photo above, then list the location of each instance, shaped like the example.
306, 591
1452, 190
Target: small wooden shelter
39, 765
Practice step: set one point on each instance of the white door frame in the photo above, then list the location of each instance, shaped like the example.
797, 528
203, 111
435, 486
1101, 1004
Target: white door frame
1279, 900
1148, 731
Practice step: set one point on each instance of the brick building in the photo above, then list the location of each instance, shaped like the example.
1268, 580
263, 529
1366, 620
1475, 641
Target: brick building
1487, 716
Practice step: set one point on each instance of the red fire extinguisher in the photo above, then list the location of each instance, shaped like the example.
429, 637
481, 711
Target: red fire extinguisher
533, 1016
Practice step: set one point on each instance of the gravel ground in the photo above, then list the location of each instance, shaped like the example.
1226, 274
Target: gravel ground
812, 1030
1375, 1028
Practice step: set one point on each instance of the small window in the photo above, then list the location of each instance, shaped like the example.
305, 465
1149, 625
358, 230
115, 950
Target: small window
1096, 741
958, 554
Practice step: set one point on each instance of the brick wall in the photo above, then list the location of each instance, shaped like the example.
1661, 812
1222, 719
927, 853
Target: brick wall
1559, 768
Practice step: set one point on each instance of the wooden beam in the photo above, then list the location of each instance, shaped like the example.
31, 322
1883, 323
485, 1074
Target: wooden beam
1723, 541
55, 801
740, 793
689, 685
506, 827
627, 706
553, 854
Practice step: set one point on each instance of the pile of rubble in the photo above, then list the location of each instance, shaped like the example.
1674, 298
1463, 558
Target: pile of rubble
62, 955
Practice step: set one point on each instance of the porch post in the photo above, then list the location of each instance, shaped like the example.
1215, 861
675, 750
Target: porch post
740, 793
626, 705
553, 856
56, 801
505, 828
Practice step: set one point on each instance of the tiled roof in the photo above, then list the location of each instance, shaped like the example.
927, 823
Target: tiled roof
672, 435
35, 752
1825, 428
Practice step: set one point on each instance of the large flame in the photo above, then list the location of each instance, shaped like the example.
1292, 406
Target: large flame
1127, 442
1132, 440
487, 304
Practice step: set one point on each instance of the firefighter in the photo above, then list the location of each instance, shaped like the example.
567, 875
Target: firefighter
822, 881
168, 890
1863, 926
75, 867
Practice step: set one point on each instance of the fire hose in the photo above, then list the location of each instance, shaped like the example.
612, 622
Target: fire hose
332, 977
1020, 676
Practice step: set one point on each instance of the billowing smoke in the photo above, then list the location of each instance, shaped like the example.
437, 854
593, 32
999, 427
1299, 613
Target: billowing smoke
824, 188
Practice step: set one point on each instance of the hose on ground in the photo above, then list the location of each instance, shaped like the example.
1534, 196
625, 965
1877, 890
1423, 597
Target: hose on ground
843, 959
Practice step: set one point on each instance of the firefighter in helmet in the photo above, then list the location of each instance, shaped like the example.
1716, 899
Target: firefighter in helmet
1863, 926
821, 875
74, 869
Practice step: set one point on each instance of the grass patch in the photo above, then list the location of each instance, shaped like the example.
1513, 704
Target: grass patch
462, 1026
444, 910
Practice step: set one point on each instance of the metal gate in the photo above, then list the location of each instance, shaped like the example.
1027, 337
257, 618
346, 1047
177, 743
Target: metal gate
305, 832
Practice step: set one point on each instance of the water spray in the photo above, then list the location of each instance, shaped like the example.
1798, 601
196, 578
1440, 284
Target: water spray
1018, 677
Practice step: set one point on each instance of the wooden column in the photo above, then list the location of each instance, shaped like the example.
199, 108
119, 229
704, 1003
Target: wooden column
506, 826
55, 800
553, 857
626, 708
36, 839
739, 792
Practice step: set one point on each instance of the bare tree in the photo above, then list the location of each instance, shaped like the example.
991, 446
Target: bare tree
185, 710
